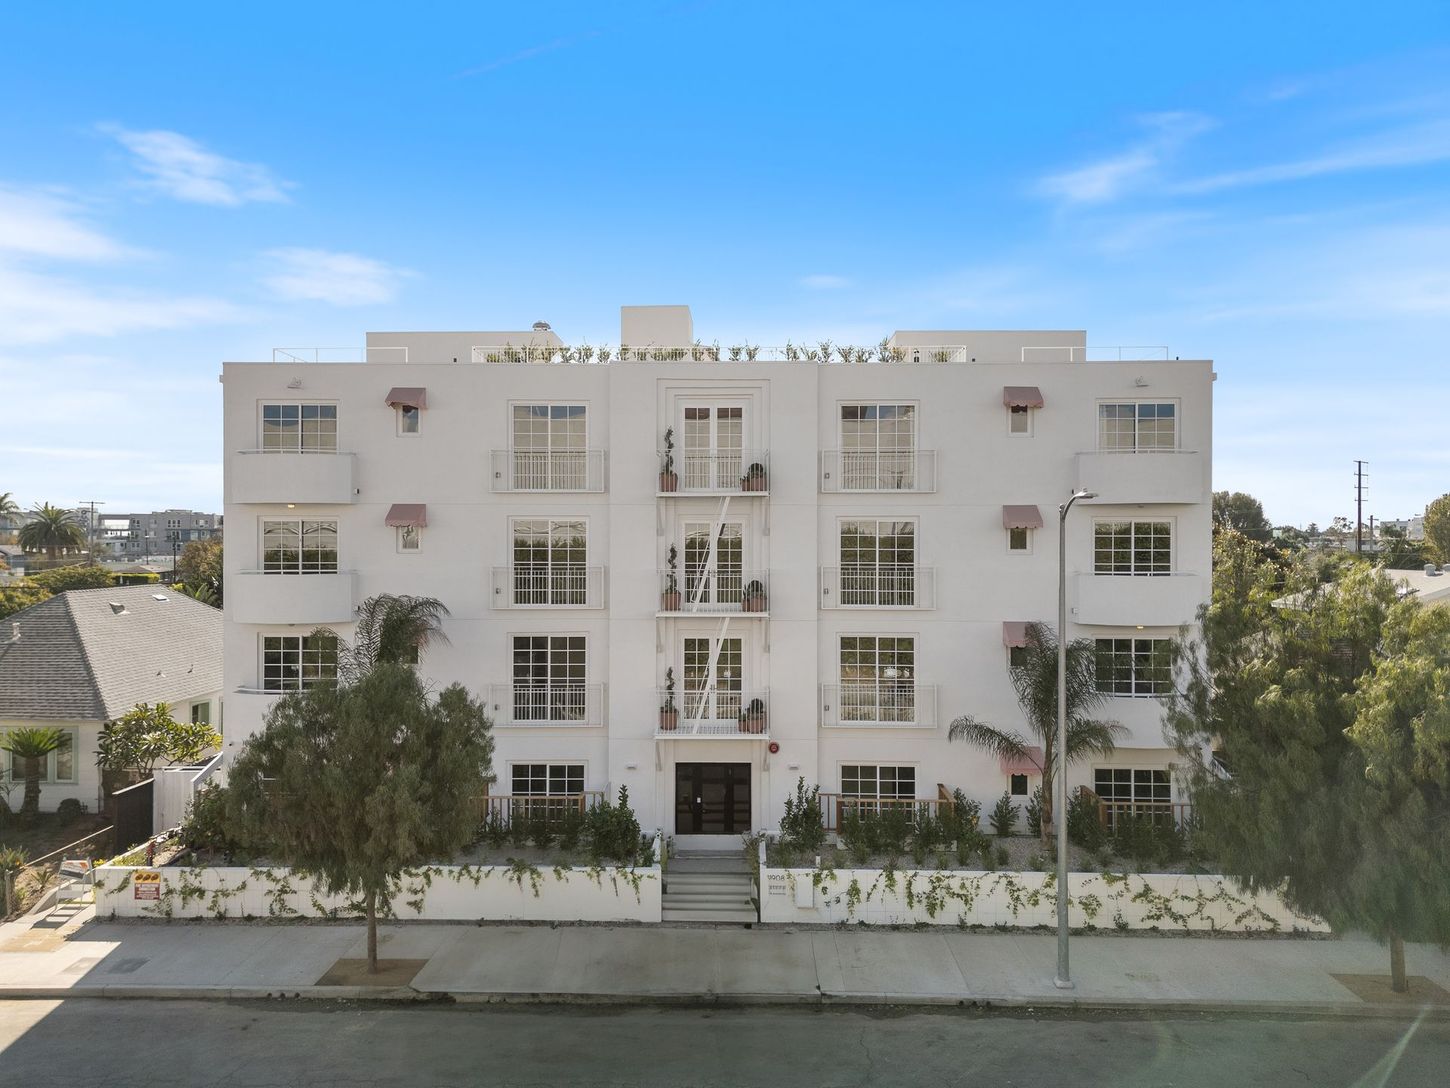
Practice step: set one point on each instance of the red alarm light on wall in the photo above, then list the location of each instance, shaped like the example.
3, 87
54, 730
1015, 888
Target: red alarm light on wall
774, 748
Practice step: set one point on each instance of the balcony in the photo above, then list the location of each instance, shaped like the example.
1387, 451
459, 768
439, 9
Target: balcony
714, 472
889, 585
548, 470
546, 706
878, 704
256, 596
269, 476
713, 714
734, 592
1138, 600
1160, 476
548, 585
878, 470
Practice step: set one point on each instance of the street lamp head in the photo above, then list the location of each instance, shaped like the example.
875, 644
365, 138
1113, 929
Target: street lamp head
1085, 494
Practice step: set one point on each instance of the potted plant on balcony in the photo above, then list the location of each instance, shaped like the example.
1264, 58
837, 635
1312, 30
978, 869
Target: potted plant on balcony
753, 599
670, 598
669, 713
754, 478
752, 718
669, 479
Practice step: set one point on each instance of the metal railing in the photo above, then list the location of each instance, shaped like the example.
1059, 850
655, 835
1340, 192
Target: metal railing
548, 470
713, 713
714, 471
878, 585
1119, 353
540, 705
380, 353
1159, 813
548, 585
503, 809
884, 704
834, 806
728, 590
878, 470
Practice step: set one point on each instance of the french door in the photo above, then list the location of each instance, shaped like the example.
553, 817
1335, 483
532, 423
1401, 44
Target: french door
712, 798
713, 446
718, 701
714, 578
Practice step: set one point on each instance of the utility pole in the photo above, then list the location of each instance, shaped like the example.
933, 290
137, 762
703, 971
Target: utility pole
1359, 506
91, 529
1372, 546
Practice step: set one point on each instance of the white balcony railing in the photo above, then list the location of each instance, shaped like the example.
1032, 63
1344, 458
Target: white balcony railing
714, 472
1139, 600
292, 476
884, 704
1144, 476
548, 470
546, 705
878, 470
733, 591
714, 713
548, 585
878, 585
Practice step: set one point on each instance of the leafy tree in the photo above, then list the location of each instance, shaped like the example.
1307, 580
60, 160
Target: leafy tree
199, 570
52, 530
8, 505
147, 735
1399, 552
1035, 680
1437, 529
21, 595
31, 745
394, 629
60, 579
1241, 512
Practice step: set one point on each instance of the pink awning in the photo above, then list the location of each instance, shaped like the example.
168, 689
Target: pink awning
1021, 517
1014, 632
407, 397
1030, 763
408, 513
1021, 396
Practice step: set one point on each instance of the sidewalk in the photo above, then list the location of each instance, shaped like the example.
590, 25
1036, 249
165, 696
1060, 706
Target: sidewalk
664, 964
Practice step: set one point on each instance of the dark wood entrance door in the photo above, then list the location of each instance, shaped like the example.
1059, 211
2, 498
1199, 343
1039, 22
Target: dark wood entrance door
712, 798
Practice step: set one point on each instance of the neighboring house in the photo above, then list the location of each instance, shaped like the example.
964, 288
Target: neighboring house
87, 656
1429, 586
137, 535
859, 548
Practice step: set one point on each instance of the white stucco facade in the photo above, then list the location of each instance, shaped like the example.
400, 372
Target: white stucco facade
930, 485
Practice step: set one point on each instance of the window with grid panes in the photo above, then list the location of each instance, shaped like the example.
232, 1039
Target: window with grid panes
549, 562
722, 700
878, 447
297, 546
878, 563
1134, 666
549, 674
878, 678
1137, 790
554, 779
1132, 547
299, 428
718, 577
549, 447
58, 766
1137, 426
295, 662
877, 782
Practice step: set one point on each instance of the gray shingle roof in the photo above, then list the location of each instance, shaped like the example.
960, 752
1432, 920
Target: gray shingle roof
78, 658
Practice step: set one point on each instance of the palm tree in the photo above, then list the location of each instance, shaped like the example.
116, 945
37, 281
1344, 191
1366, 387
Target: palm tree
7, 504
394, 629
30, 745
51, 530
1035, 679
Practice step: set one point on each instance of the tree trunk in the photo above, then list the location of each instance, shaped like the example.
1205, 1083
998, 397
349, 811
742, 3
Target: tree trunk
1048, 826
372, 903
30, 806
1399, 982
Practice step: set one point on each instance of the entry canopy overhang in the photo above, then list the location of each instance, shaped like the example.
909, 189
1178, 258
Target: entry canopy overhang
1021, 396
408, 513
1014, 633
1030, 762
1021, 517
407, 397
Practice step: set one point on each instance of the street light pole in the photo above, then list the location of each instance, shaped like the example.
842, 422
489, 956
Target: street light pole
1059, 814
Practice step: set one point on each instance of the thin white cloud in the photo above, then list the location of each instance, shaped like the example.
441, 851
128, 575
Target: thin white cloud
39, 224
185, 170
319, 275
1114, 176
825, 282
527, 54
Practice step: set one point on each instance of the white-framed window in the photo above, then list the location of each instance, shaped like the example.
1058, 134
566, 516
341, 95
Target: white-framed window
58, 767
1016, 657
718, 576
1134, 666
549, 674
546, 779
722, 699
410, 418
299, 428
1132, 547
878, 678
1019, 421
876, 782
1129, 789
201, 713
1138, 426
295, 662
878, 562
299, 546
712, 446
1019, 541
410, 539
878, 447
550, 447
550, 557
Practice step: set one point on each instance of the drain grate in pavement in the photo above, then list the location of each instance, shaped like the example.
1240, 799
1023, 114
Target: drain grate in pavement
125, 967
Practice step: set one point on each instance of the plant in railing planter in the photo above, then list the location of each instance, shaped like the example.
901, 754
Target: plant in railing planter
751, 351
753, 598
670, 598
735, 352
669, 712
752, 718
604, 355
754, 478
669, 478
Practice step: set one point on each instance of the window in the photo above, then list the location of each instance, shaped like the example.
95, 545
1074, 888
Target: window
713, 447
878, 447
878, 678
549, 673
1141, 791
549, 447
547, 779
295, 662
720, 699
58, 766
1132, 547
299, 428
1134, 666
410, 538
549, 562
1019, 540
877, 782
717, 578
200, 713
408, 418
1137, 427
1017, 657
297, 546
1017, 785
878, 563
1019, 419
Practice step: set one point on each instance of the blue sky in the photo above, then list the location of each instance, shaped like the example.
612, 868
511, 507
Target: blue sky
1265, 185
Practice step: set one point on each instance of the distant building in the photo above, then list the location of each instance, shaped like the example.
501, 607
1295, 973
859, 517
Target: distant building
1413, 528
136, 535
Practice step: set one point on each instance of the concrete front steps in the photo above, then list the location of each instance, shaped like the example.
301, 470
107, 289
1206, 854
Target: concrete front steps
709, 888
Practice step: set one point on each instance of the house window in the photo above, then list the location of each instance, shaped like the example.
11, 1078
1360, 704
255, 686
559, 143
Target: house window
713, 447
408, 418
1136, 790
299, 428
58, 766
296, 662
1137, 427
297, 546
410, 538
547, 779
1017, 657
878, 447
1017, 785
200, 713
549, 673
717, 578
1132, 547
718, 699
549, 451
878, 678
876, 782
1019, 419
549, 556
1134, 666
878, 563
1019, 540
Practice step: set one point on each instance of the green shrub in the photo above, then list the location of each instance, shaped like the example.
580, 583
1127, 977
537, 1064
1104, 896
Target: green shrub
542, 832
69, 810
1002, 856
60, 579
206, 825
926, 836
518, 826
803, 827
858, 832
570, 828
1135, 837
611, 831
494, 829
1084, 822
1034, 813
1004, 816
893, 829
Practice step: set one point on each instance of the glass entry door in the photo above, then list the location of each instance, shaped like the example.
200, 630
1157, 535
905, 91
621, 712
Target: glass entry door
713, 447
712, 798
714, 579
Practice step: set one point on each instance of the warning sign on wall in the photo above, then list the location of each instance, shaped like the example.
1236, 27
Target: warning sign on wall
146, 885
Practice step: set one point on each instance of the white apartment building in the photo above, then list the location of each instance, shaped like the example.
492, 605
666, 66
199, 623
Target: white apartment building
857, 546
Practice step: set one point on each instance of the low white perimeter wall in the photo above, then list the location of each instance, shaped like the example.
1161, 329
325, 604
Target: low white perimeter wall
946, 898
435, 893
